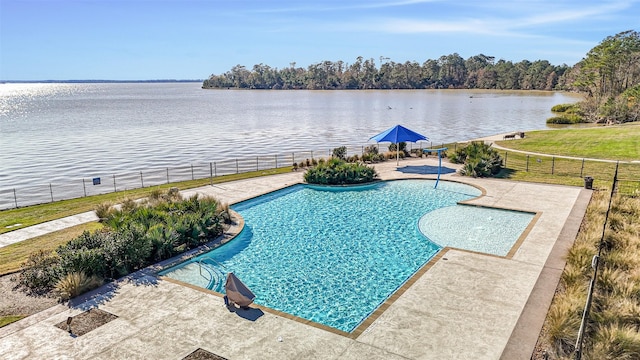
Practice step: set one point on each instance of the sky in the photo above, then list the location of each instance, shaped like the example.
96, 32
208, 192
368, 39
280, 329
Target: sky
192, 39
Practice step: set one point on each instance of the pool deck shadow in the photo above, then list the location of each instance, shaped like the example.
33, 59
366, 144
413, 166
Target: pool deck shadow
464, 306
425, 170
251, 313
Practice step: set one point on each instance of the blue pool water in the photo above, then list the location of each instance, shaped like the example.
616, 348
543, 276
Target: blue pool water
329, 255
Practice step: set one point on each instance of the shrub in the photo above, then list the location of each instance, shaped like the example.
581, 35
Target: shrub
479, 159
133, 238
76, 283
565, 108
566, 119
89, 261
126, 251
104, 210
340, 152
155, 194
164, 240
371, 150
339, 172
401, 146
128, 204
224, 213
40, 272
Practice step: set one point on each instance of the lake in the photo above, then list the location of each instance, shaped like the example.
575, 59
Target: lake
55, 132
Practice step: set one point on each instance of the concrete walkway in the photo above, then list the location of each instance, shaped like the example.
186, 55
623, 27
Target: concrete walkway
462, 306
15, 236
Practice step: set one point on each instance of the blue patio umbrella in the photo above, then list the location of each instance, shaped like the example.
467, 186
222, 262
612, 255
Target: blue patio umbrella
396, 135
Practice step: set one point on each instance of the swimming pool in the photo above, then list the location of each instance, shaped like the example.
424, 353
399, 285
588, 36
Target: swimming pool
325, 254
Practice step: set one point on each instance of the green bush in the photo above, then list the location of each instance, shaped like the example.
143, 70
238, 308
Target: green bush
133, 237
371, 149
402, 147
340, 152
479, 160
40, 272
565, 108
566, 119
339, 172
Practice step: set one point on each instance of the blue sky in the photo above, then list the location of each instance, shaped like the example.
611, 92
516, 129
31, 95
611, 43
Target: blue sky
191, 39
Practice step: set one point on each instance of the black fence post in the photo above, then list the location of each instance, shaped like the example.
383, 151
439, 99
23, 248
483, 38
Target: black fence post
84, 187
506, 153
215, 169
15, 197
115, 189
141, 179
293, 158
582, 168
51, 191
167, 175
257, 163
527, 163
237, 167
192, 177
276, 157
553, 164
210, 174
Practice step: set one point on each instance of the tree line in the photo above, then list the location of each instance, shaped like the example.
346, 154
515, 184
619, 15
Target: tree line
609, 76
447, 72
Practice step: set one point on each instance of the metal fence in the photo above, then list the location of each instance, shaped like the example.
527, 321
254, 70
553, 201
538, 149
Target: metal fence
106, 183
602, 170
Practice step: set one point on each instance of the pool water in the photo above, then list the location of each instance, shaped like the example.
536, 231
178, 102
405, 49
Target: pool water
325, 254
480, 229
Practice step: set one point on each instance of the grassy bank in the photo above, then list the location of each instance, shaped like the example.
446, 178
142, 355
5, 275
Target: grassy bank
607, 143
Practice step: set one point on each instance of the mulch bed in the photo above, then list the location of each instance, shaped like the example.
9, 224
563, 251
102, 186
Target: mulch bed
200, 354
87, 321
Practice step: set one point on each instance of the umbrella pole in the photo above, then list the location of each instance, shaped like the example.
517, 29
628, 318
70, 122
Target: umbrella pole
439, 167
397, 154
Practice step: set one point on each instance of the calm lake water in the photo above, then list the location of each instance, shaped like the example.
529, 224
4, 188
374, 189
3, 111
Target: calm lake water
56, 132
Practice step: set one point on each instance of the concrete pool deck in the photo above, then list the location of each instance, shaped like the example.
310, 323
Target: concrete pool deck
464, 306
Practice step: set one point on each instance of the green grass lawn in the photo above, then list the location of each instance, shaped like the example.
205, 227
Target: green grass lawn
6, 320
607, 142
12, 256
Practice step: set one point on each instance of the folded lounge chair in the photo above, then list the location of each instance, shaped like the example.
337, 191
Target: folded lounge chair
238, 294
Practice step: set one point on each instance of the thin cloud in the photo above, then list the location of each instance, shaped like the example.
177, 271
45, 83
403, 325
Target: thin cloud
326, 8
509, 24
574, 14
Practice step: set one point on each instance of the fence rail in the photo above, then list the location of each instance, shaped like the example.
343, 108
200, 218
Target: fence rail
107, 183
